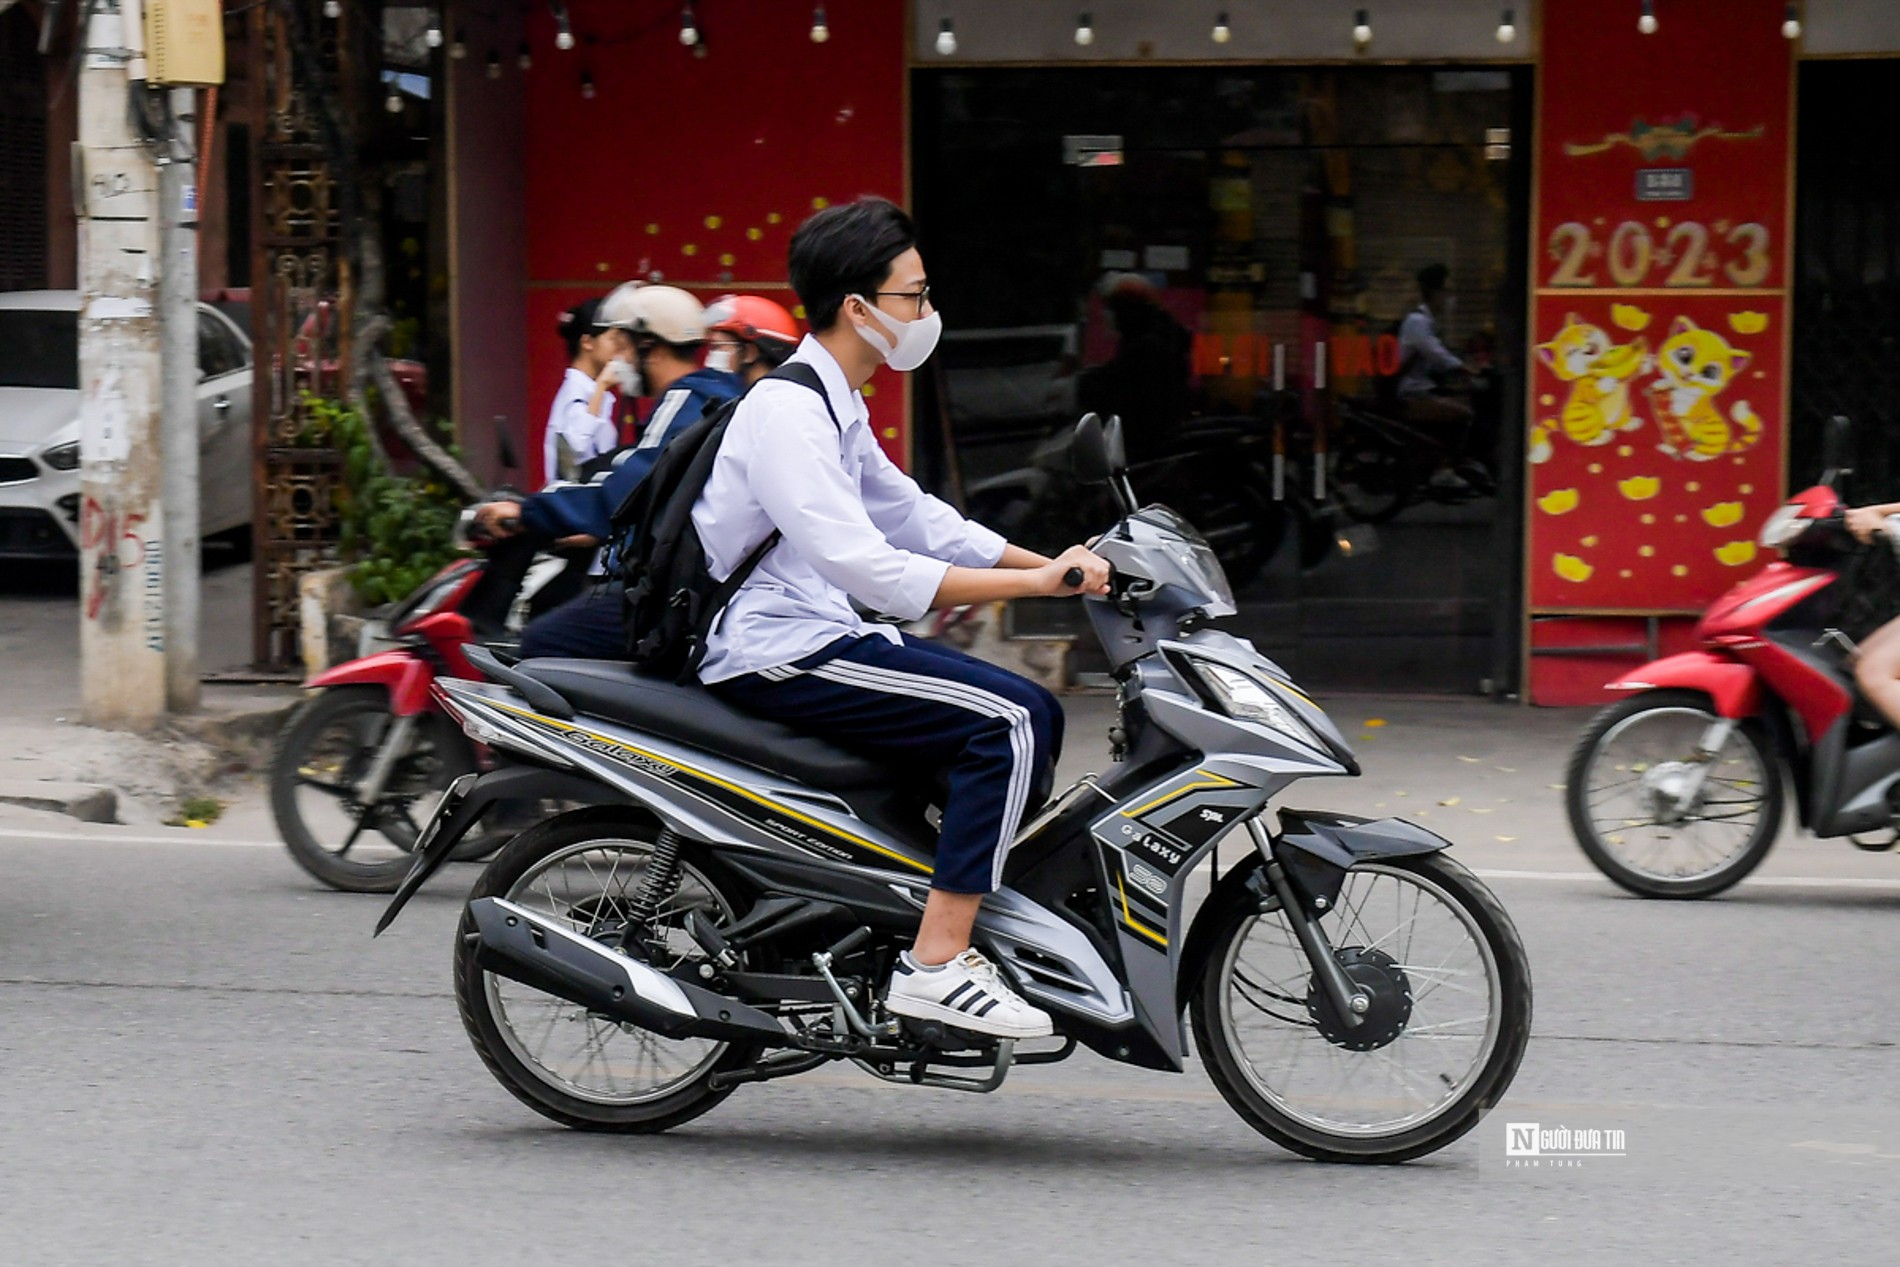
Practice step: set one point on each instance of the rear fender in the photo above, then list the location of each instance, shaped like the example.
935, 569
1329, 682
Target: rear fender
405, 675
1734, 687
463, 805
1317, 849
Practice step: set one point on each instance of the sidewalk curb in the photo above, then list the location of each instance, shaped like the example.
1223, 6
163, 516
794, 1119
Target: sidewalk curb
87, 802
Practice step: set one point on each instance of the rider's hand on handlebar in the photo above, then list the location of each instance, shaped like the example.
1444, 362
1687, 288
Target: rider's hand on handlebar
1866, 522
499, 518
1094, 569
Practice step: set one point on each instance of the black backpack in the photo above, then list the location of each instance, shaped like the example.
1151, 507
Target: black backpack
671, 599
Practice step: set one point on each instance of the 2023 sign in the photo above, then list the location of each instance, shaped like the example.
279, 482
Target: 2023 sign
1740, 258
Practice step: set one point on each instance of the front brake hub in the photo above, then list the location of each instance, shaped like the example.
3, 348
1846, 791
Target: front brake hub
1388, 992
1666, 785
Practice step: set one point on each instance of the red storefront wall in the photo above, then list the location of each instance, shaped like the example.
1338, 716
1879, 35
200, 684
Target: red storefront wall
1660, 248
694, 170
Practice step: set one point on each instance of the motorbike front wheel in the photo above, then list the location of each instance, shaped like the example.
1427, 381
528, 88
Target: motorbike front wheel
320, 761
1625, 792
1450, 1012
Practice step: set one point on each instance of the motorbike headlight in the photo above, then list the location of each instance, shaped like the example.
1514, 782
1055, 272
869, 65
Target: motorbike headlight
62, 457
1243, 698
1783, 527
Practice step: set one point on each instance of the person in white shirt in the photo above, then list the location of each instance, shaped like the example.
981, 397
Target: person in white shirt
790, 645
581, 420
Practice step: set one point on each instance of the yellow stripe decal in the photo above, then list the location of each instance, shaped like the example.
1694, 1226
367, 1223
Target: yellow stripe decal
714, 779
1133, 923
1291, 689
1208, 780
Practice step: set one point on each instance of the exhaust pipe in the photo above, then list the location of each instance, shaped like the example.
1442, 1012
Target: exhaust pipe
523, 946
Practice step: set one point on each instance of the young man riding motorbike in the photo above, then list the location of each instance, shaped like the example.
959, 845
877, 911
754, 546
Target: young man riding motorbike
667, 330
791, 647
749, 335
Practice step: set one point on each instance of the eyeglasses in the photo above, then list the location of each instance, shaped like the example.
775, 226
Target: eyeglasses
921, 296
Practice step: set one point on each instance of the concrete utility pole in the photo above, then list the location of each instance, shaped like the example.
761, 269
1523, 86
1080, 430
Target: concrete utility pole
178, 334
122, 559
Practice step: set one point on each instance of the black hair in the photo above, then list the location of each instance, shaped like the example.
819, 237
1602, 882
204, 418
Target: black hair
774, 352
577, 322
846, 250
1432, 278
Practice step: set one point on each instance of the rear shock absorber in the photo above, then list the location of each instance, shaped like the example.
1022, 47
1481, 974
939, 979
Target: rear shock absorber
659, 884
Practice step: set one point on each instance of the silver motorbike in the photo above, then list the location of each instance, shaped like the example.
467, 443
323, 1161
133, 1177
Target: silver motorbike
729, 905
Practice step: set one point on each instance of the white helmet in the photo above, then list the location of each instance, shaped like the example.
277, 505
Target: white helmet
665, 312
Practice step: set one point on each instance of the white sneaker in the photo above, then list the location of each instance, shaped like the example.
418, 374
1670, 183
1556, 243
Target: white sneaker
969, 993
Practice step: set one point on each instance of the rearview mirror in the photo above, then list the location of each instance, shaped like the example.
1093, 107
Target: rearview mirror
1837, 451
505, 446
1098, 456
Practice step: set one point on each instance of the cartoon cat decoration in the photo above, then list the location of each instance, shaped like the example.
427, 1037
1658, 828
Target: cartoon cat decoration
1599, 374
1692, 368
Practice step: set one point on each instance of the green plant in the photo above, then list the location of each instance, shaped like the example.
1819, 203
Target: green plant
197, 811
396, 530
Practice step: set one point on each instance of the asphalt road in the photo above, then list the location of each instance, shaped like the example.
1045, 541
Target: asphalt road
205, 1060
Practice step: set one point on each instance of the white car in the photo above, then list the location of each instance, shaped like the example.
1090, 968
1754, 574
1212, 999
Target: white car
39, 423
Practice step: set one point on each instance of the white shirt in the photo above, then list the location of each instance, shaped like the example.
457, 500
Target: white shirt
852, 525
588, 433
1421, 353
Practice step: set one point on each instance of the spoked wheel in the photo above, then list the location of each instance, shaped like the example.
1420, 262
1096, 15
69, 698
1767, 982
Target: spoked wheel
1450, 1012
1659, 814
318, 770
586, 1071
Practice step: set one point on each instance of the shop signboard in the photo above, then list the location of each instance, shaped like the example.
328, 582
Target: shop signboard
1657, 404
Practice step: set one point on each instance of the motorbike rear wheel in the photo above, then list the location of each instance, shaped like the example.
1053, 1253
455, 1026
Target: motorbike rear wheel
1451, 1012
321, 758
585, 1071
1619, 773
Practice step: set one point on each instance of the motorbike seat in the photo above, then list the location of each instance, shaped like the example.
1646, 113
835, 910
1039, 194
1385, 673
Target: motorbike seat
693, 715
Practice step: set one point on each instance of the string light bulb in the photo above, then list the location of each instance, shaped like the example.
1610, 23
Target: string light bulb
1507, 26
1791, 24
689, 29
393, 102
1647, 23
820, 29
1085, 29
458, 47
523, 58
587, 84
563, 29
332, 9
494, 64
946, 38
1222, 32
433, 35
1362, 27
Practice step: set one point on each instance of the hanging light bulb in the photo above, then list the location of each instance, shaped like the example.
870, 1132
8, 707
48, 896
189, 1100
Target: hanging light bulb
587, 84
1362, 28
946, 38
563, 30
1507, 26
494, 64
1647, 23
393, 102
523, 58
1791, 24
689, 29
332, 9
1222, 32
820, 29
458, 47
1085, 29
433, 35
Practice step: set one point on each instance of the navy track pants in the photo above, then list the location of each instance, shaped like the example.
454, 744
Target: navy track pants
996, 735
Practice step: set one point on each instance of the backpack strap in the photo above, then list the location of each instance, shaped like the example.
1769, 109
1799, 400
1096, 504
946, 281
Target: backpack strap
791, 372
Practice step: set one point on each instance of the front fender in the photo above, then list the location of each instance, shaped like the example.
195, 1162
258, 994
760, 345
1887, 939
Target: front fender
1734, 687
1317, 849
404, 674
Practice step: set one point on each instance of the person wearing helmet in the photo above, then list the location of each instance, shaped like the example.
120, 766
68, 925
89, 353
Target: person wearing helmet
665, 329
749, 336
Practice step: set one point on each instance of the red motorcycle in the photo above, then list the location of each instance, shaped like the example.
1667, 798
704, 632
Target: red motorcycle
1678, 790
359, 765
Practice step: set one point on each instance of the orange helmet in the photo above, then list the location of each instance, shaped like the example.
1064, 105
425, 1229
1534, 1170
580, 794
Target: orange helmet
754, 319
